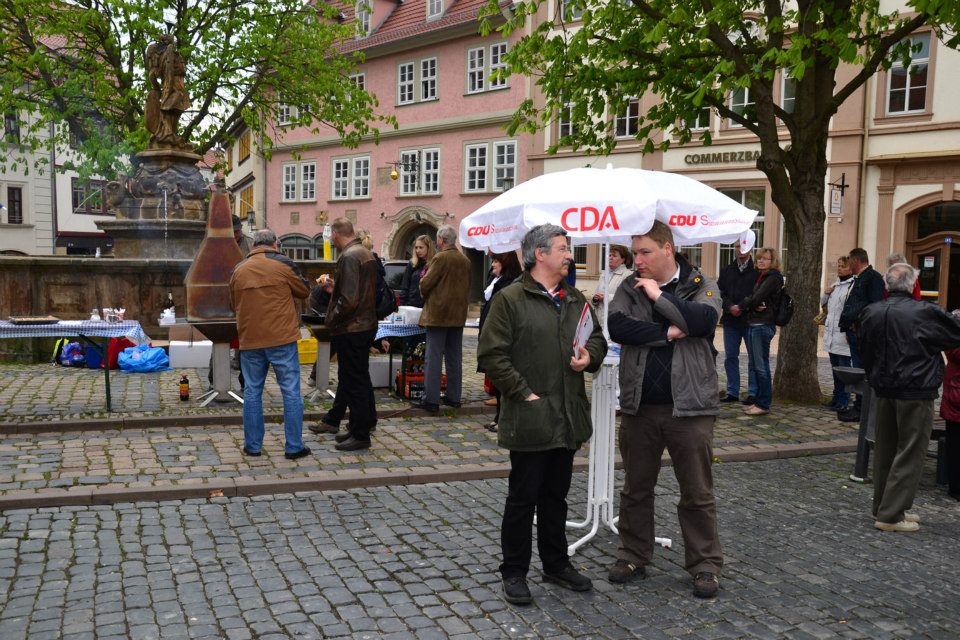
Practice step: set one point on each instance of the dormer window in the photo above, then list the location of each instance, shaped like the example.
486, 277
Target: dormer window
434, 9
363, 19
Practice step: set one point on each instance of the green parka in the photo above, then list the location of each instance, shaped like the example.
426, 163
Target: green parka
525, 348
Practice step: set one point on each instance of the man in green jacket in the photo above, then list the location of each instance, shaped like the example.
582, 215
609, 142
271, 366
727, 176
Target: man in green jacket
527, 350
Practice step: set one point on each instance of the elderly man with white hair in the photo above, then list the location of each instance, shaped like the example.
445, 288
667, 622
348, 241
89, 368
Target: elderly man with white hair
900, 344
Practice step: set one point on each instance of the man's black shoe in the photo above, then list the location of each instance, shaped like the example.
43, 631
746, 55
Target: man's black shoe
729, 398
297, 454
569, 578
352, 444
342, 437
622, 571
848, 415
451, 403
516, 591
253, 454
323, 427
750, 400
425, 406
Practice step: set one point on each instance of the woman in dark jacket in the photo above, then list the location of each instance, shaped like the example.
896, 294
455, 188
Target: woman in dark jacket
760, 308
950, 412
504, 269
423, 252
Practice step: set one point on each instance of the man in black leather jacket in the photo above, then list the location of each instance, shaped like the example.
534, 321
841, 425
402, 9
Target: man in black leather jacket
900, 344
867, 288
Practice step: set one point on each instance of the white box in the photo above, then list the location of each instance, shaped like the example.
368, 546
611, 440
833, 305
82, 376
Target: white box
411, 315
380, 376
190, 355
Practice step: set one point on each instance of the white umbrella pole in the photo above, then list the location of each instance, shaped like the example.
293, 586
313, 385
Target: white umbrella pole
606, 280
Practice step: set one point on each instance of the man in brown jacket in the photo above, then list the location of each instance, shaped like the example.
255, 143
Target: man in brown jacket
262, 291
444, 289
352, 319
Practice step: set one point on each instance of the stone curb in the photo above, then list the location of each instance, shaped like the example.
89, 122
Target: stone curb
216, 487
121, 423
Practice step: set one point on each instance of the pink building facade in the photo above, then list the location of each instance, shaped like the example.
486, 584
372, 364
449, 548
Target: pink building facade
449, 155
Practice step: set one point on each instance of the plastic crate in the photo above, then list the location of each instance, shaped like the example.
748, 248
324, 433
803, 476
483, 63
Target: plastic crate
414, 384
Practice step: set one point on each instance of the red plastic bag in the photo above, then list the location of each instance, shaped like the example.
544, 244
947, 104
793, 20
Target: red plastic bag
117, 345
488, 387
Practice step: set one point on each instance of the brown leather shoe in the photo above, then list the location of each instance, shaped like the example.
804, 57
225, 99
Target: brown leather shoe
705, 585
622, 571
323, 427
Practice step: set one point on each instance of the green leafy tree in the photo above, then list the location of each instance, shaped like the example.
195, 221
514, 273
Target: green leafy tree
692, 54
76, 68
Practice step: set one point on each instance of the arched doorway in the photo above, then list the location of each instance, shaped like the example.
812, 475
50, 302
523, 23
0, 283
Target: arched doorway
934, 248
405, 242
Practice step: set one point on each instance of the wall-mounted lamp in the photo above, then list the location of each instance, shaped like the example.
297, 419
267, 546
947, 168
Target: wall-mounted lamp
252, 220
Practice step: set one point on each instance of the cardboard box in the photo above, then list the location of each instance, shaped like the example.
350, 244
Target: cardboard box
380, 372
187, 355
183, 332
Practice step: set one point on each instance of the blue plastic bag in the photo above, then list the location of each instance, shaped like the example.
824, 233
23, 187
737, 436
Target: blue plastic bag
143, 359
72, 355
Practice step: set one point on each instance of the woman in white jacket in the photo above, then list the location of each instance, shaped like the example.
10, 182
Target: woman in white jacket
619, 262
834, 340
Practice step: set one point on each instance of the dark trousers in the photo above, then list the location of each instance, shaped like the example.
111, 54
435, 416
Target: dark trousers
903, 434
444, 345
840, 396
539, 482
855, 362
354, 389
953, 458
690, 444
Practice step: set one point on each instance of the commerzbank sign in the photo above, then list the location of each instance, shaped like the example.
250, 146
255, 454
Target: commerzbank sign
722, 157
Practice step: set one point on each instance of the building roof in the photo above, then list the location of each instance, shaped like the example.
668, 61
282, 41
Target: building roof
409, 19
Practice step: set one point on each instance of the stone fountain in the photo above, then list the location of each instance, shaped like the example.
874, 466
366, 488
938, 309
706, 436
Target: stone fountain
161, 209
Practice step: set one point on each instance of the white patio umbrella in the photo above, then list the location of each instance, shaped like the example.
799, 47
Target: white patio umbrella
608, 206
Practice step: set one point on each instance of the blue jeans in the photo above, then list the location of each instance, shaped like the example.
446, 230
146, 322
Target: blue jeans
840, 397
759, 337
286, 366
733, 335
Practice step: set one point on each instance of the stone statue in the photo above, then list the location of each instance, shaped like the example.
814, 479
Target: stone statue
168, 97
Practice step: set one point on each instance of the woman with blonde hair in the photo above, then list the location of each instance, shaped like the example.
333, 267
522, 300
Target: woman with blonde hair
423, 252
760, 308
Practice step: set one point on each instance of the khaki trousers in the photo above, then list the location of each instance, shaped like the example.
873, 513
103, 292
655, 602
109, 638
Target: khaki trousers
689, 441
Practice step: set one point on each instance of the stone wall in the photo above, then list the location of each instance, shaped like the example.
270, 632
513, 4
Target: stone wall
69, 288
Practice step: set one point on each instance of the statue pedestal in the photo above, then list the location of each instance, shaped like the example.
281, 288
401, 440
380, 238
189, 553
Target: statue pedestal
161, 210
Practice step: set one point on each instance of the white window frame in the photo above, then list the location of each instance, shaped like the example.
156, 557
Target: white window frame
340, 179
363, 18
434, 9
288, 180
481, 62
406, 83
308, 181
359, 79
475, 167
729, 250
570, 14
565, 121
298, 181
285, 114
409, 172
505, 168
476, 70
625, 119
498, 51
897, 66
743, 106
429, 71
430, 170
696, 125
786, 80
488, 164
360, 177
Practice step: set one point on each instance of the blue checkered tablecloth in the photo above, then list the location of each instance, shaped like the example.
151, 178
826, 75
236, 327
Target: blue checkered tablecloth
129, 329
398, 330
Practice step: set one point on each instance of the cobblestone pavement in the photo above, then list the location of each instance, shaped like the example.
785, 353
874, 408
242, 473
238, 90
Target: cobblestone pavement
32, 393
803, 561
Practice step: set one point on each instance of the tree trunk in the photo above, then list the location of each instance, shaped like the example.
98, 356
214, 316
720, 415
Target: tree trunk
796, 378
